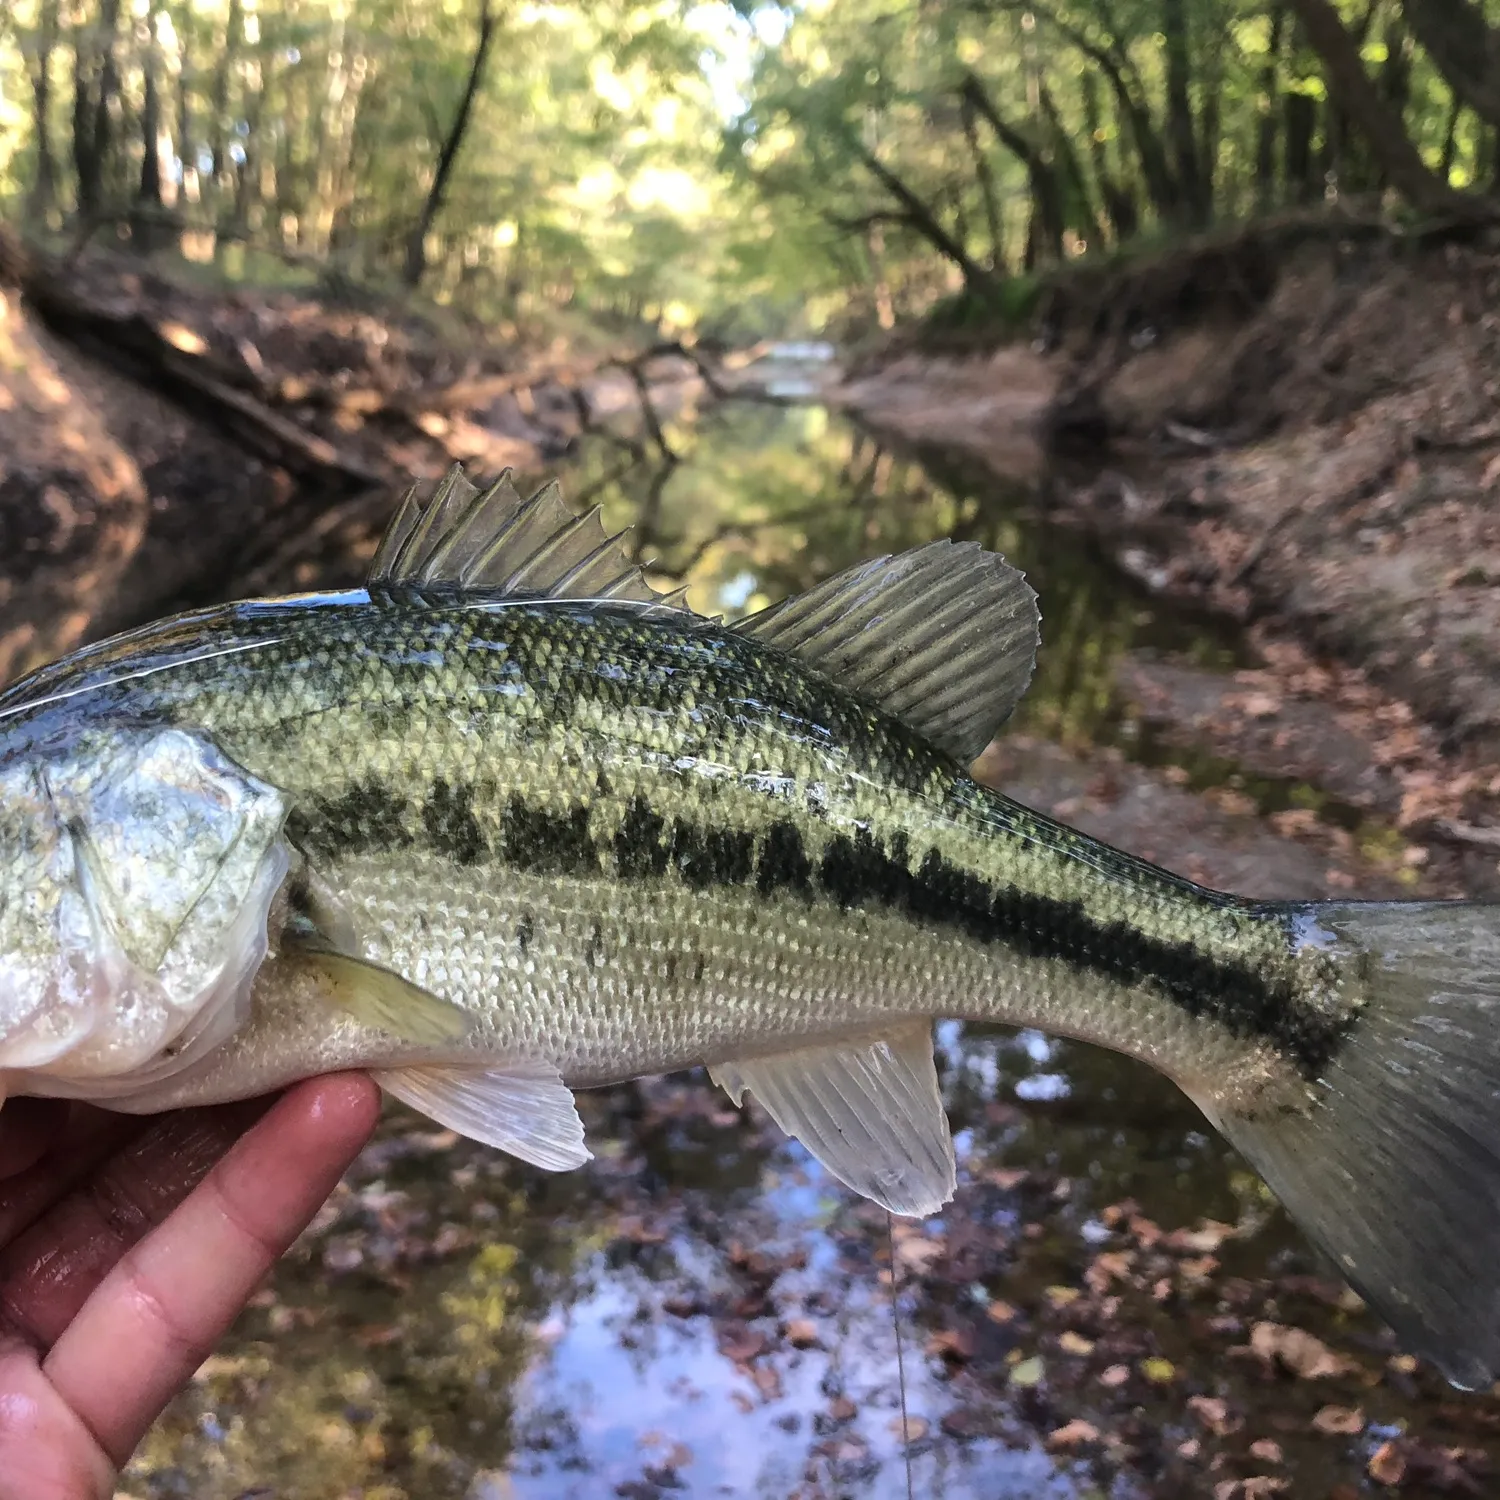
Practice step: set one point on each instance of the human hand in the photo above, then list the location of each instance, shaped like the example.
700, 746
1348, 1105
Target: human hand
127, 1248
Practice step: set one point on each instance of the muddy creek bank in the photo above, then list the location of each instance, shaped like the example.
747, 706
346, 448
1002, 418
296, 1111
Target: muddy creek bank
1313, 448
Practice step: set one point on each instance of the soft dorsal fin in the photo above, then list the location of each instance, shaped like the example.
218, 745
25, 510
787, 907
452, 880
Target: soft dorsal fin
496, 541
944, 637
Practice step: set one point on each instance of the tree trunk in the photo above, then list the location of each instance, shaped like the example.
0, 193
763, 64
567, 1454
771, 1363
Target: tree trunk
1180, 113
95, 80
1265, 135
234, 30
1353, 91
416, 243
1161, 188
1342, 161
1464, 48
880, 286
1450, 139
149, 192
185, 147
247, 169
1078, 207
1048, 221
1298, 162
986, 180
1119, 205
43, 197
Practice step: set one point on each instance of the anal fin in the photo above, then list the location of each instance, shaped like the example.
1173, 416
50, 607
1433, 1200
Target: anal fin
869, 1110
529, 1113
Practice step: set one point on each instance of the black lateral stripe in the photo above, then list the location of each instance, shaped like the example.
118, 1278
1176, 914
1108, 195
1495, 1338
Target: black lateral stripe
449, 822
368, 816
857, 870
545, 842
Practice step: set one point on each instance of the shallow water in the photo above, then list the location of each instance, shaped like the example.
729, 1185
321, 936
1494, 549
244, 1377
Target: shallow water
702, 1311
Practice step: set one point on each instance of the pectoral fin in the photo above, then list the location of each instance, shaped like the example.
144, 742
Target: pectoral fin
870, 1111
528, 1113
379, 998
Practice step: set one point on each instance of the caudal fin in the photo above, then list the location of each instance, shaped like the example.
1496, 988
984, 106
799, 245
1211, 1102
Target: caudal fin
1397, 1172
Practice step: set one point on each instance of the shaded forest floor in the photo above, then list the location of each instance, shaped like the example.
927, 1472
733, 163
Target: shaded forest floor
1303, 432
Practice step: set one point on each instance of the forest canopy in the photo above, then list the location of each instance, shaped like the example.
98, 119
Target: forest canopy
732, 169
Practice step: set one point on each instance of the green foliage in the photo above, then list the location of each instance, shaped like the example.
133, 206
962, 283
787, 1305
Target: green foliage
738, 167
1004, 308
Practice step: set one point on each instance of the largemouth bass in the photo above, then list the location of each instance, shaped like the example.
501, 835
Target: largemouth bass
506, 823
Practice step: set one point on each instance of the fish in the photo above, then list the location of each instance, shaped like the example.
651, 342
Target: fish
507, 823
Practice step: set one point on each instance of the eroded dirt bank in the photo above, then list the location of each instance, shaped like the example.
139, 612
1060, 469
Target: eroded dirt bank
164, 446
1305, 435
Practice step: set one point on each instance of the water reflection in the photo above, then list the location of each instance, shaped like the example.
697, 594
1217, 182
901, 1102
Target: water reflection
772, 499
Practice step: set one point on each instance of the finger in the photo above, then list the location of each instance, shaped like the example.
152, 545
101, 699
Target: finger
89, 1136
48, 1272
160, 1311
27, 1128
45, 1450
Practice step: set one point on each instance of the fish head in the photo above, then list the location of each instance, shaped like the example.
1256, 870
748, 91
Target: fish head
138, 871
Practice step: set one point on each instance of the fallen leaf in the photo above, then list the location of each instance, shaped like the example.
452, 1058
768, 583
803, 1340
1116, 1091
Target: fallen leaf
739, 1343
956, 1344
842, 1409
1073, 1435
1109, 1266
179, 336
965, 1422
1007, 1178
1213, 1413
1297, 1350
910, 1429
1000, 1312
1343, 1420
1027, 1372
1158, 1371
1075, 1343
802, 1333
847, 1450
1203, 1240
1268, 1450
1254, 1488
1387, 1464
1115, 1375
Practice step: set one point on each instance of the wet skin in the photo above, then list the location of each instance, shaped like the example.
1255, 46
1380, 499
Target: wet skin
128, 1247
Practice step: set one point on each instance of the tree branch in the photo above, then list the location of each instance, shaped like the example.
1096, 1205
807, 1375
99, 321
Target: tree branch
920, 217
416, 244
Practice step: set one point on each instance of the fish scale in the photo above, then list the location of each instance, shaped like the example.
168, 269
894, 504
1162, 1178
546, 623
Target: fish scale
506, 844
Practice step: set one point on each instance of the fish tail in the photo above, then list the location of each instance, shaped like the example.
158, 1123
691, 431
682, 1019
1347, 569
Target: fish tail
1395, 1171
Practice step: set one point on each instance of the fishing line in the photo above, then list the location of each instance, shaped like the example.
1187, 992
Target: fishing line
890, 1235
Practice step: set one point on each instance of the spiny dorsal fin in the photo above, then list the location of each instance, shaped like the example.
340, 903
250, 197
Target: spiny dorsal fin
944, 637
496, 541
